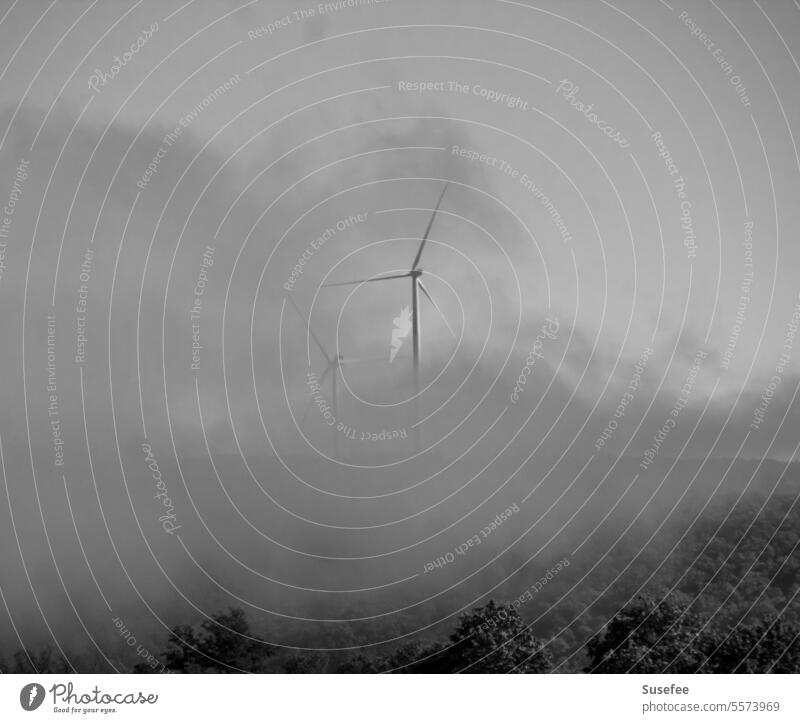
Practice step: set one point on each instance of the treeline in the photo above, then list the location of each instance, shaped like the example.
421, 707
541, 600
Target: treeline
650, 635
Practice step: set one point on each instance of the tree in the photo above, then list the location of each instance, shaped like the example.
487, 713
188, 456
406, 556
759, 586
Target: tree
304, 664
414, 657
359, 664
488, 639
766, 646
222, 644
495, 639
649, 636
45, 660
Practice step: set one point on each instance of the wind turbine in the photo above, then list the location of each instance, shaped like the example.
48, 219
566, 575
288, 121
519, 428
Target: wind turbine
415, 274
333, 364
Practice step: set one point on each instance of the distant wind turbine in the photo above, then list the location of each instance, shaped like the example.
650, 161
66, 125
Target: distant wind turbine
415, 274
333, 365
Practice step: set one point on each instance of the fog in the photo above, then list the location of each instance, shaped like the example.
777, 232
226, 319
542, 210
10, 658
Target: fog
197, 470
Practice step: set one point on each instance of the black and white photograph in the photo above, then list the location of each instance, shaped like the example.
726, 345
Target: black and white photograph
355, 338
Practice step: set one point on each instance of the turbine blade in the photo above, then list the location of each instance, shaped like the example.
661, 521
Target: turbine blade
428, 230
436, 306
308, 327
325, 374
365, 281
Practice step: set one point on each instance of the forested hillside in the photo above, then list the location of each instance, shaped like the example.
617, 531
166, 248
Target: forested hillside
719, 595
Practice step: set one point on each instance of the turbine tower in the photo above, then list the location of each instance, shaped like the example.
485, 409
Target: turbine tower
415, 274
333, 364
